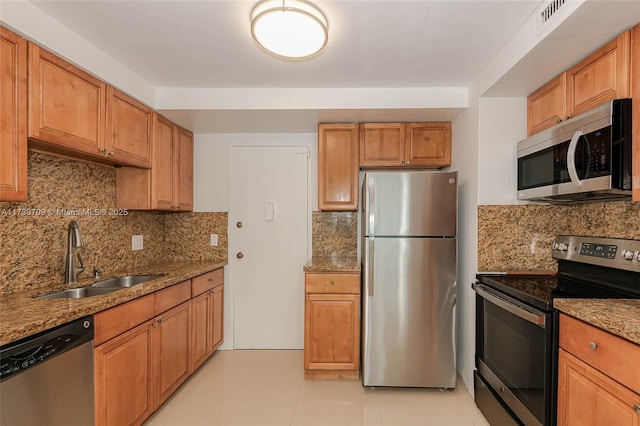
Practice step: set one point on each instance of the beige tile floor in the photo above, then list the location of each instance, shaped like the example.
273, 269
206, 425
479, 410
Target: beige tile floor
243, 388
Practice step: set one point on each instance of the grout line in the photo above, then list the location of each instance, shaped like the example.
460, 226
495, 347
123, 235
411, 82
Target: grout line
295, 406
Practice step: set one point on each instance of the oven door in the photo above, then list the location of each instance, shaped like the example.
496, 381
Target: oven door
514, 354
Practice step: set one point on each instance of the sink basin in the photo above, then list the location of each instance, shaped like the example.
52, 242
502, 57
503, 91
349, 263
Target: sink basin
126, 281
78, 293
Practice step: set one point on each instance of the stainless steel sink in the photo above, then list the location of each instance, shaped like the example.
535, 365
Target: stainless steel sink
126, 281
78, 293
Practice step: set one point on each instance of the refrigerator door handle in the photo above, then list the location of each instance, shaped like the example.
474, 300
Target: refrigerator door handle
370, 203
368, 271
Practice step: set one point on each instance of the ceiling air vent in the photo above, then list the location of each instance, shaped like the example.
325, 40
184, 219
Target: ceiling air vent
550, 10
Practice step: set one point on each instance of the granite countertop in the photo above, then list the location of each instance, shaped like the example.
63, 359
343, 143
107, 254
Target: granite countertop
333, 264
22, 315
617, 316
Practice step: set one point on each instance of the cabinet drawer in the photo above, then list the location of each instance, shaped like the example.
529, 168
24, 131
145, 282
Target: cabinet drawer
117, 320
172, 296
207, 281
612, 355
332, 283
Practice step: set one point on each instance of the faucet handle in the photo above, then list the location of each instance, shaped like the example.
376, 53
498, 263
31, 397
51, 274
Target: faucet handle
96, 273
81, 268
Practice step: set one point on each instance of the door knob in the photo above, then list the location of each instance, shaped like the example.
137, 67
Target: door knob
239, 224
240, 255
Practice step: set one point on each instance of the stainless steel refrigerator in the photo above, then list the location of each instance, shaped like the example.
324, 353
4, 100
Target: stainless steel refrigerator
409, 259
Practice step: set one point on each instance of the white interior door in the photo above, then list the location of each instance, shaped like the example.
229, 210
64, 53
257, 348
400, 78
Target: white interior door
268, 204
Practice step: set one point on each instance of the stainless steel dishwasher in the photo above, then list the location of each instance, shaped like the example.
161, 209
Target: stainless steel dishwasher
47, 379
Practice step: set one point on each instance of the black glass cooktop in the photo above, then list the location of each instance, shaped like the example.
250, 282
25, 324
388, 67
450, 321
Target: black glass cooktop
535, 290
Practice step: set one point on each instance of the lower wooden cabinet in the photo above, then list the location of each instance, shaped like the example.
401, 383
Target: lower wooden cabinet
124, 378
598, 377
207, 313
146, 348
332, 326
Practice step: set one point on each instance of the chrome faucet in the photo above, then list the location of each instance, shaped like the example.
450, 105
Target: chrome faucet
74, 241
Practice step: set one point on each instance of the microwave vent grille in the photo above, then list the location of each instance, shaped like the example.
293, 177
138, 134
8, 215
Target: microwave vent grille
550, 10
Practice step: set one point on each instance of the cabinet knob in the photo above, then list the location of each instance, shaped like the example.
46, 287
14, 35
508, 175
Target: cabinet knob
332, 282
408, 162
111, 154
637, 408
402, 162
593, 345
558, 120
103, 151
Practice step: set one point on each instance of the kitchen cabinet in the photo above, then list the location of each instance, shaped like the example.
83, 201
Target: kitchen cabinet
338, 166
168, 185
13, 106
207, 314
129, 126
332, 325
547, 106
598, 378
73, 113
141, 354
405, 144
602, 76
635, 94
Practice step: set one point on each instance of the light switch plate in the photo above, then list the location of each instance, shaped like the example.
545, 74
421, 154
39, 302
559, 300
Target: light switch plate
214, 240
137, 242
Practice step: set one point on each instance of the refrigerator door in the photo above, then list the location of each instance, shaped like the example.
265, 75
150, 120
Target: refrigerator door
417, 203
409, 298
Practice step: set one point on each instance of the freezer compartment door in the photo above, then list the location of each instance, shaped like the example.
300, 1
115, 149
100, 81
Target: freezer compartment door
415, 203
409, 298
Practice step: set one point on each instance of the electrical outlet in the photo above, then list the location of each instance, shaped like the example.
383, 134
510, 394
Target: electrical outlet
214, 240
137, 242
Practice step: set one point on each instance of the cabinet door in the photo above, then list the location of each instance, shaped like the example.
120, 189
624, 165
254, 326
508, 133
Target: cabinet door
338, 166
13, 113
332, 332
217, 317
602, 76
162, 179
66, 105
129, 130
183, 170
123, 378
382, 144
586, 397
547, 106
170, 352
635, 87
428, 144
200, 329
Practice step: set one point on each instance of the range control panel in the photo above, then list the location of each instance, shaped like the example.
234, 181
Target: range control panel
610, 252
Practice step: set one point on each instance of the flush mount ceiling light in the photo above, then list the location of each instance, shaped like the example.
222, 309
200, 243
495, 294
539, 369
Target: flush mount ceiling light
289, 29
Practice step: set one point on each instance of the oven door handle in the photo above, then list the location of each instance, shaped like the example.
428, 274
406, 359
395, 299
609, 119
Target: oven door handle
526, 313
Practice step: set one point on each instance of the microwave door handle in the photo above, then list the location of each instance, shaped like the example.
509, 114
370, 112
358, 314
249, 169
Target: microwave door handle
571, 158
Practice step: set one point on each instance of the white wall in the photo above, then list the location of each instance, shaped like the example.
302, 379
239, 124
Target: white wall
465, 160
502, 123
211, 164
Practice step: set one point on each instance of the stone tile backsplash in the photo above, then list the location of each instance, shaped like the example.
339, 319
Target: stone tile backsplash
34, 234
519, 237
334, 234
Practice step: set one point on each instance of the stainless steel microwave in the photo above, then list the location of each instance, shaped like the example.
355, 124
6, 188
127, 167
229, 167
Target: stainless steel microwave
586, 158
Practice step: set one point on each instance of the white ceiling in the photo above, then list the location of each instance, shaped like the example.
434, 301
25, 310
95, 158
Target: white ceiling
374, 45
371, 43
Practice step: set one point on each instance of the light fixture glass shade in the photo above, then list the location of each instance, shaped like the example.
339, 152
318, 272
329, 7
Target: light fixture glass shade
289, 29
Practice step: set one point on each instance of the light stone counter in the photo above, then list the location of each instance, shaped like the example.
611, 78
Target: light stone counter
22, 315
617, 316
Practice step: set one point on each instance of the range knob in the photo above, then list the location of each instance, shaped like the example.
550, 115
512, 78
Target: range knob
555, 246
627, 254
563, 247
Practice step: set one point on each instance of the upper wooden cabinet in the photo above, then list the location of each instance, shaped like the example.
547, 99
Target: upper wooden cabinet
129, 130
74, 113
635, 94
13, 116
338, 166
602, 76
405, 144
547, 106
168, 185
